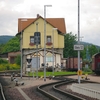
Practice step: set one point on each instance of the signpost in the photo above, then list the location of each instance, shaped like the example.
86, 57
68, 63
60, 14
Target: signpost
78, 47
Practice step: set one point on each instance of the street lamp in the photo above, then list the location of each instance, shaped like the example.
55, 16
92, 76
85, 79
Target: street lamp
37, 48
53, 47
21, 43
78, 39
45, 40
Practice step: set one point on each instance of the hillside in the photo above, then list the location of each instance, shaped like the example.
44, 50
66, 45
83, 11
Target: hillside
87, 44
5, 38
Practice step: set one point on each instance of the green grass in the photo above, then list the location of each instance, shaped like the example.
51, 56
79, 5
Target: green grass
56, 73
51, 73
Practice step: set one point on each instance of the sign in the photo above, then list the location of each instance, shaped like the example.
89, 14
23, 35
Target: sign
78, 47
79, 72
28, 69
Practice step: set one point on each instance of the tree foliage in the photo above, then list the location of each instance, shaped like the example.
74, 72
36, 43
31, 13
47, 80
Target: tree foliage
89, 51
18, 60
12, 45
69, 40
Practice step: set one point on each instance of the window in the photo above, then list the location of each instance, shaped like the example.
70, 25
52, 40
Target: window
31, 39
49, 39
49, 59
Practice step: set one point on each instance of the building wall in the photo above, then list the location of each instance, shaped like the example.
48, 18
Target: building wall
29, 31
12, 56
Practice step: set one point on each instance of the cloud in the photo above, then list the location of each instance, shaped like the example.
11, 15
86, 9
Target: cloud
11, 10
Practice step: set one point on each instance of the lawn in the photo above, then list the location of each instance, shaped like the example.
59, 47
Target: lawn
54, 74
51, 73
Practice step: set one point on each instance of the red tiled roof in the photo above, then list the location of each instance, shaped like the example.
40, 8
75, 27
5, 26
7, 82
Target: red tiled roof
58, 23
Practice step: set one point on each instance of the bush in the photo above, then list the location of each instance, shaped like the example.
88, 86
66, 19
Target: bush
87, 69
18, 60
3, 61
4, 67
49, 69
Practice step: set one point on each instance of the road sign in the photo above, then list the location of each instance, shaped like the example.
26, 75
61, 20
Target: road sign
79, 72
78, 47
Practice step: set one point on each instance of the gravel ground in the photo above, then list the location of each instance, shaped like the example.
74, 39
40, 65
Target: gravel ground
12, 93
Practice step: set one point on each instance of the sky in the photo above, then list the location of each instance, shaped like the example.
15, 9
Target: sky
11, 10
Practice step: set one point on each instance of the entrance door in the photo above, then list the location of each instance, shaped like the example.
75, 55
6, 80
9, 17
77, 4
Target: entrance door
35, 63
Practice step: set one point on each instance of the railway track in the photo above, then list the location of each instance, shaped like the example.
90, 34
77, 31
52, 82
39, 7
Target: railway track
2, 97
51, 91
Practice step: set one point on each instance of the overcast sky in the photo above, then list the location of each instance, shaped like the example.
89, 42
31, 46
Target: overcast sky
11, 10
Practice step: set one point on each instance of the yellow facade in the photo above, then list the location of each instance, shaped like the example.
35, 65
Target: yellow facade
29, 31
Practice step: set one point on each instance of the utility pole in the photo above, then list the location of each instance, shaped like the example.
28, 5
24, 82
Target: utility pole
78, 39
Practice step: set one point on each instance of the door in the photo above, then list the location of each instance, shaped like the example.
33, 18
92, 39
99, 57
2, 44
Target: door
35, 63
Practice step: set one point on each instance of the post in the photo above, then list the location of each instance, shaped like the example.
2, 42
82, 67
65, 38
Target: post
21, 43
78, 39
53, 47
45, 40
21, 52
37, 49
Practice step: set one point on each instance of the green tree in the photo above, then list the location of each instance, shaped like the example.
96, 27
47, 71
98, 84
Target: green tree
1, 48
92, 50
18, 60
3, 61
12, 45
69, 41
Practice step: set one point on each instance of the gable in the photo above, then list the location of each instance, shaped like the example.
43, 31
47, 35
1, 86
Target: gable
58, 23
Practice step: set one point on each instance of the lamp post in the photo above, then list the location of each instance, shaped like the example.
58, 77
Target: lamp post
21, 43
37, 49
45, 40
53, 47
78, 39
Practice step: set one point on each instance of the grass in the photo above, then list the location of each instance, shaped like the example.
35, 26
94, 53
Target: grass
55, 73
51, 73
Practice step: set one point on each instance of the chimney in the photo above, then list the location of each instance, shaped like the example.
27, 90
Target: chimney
38, 15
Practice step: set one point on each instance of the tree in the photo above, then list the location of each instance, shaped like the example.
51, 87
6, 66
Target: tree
92, 50
18, 60
69, 41
88, 52
12, 45
1, 48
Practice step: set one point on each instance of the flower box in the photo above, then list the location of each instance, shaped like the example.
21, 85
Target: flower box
31, 44
48, 43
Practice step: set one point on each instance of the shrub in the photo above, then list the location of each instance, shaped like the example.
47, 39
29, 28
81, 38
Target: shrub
18, 60
87, 69
3, 61
4, 67
49, 69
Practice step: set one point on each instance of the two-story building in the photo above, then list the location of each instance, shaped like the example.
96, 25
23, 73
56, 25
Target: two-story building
52, 41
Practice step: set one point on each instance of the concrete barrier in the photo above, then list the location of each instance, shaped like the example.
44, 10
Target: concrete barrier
85, 91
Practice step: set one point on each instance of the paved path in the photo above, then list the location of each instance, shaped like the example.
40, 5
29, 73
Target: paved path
23, 94
28, 82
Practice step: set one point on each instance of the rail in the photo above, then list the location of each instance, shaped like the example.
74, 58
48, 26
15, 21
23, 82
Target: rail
61, 91
2, 92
